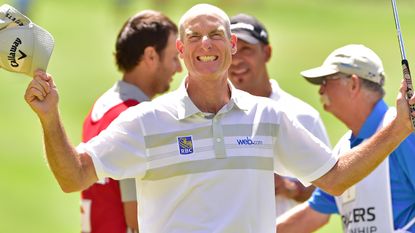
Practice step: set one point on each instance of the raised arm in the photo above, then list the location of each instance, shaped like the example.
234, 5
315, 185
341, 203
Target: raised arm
73, 171
359, 162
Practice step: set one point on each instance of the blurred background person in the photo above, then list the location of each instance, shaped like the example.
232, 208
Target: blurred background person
146, 55
248, 72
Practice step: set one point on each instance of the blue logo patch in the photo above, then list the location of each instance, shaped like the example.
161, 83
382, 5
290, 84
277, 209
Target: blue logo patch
185, 145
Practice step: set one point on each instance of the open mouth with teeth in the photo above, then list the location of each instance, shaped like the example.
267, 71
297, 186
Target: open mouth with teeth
207, 58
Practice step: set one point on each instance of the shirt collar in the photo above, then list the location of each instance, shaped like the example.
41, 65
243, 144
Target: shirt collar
372, 121
276, 90
121, 91
187, 108
129, 91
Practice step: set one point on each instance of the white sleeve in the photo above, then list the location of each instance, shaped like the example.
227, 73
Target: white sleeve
313, 123
127, 188
118, 151
300, 152
320, 131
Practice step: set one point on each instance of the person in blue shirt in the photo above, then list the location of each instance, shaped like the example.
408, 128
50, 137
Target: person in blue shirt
351, 88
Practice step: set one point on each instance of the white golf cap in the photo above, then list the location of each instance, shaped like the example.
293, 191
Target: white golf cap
350, 59
24, 45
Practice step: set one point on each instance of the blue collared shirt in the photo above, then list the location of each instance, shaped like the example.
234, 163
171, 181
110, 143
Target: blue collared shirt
402, 174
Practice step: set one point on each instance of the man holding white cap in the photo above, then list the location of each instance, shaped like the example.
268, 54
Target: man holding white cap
351, 88
204, 155
24, 45
248, 72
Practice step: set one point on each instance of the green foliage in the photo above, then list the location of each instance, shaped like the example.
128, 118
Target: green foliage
302, 34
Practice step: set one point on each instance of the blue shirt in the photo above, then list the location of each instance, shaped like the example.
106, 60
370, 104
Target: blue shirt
402, 174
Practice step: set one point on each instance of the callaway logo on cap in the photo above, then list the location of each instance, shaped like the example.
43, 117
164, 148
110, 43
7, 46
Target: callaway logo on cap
24, 45
13, 50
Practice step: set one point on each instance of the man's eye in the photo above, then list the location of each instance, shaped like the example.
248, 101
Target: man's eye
194, 37
216, 36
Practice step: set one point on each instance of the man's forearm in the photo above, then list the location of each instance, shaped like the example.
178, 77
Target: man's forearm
359, 162
69, 168
131, 212
301, 219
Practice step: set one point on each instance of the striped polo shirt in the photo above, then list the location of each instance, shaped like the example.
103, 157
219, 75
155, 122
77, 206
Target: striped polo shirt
202, 172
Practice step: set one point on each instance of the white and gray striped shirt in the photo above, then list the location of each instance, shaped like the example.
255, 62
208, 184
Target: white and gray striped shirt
199, 172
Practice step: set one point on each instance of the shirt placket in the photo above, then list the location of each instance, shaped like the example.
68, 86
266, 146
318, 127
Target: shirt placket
218, 140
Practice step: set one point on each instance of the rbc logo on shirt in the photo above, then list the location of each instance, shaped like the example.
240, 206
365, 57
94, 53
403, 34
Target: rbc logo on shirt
185, 145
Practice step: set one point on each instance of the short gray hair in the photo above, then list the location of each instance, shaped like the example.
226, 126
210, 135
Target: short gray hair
200, 9
366, 84
372, 86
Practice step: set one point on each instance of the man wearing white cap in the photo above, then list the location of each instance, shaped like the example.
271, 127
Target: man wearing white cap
248, 72
351, 88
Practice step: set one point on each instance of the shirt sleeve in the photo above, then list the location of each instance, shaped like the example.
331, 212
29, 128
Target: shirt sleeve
322, 202
301, 153
313, 123
127, 188
320, 131
118, 151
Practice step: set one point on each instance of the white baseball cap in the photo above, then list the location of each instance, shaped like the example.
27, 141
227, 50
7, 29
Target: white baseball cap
350, 59
24, 45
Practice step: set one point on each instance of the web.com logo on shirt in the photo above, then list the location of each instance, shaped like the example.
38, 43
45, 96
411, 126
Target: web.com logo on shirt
248, 141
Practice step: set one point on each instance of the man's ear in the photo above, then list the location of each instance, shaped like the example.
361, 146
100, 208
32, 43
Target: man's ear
150, 54
180, 47
355, 84
267, 52
234, 41
355, 81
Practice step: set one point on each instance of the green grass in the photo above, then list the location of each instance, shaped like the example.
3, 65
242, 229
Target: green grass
302, 34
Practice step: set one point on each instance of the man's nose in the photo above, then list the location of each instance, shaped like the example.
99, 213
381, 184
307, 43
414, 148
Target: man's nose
206, 43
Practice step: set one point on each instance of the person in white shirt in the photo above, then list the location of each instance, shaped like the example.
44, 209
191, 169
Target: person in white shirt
204, 155
248, 72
